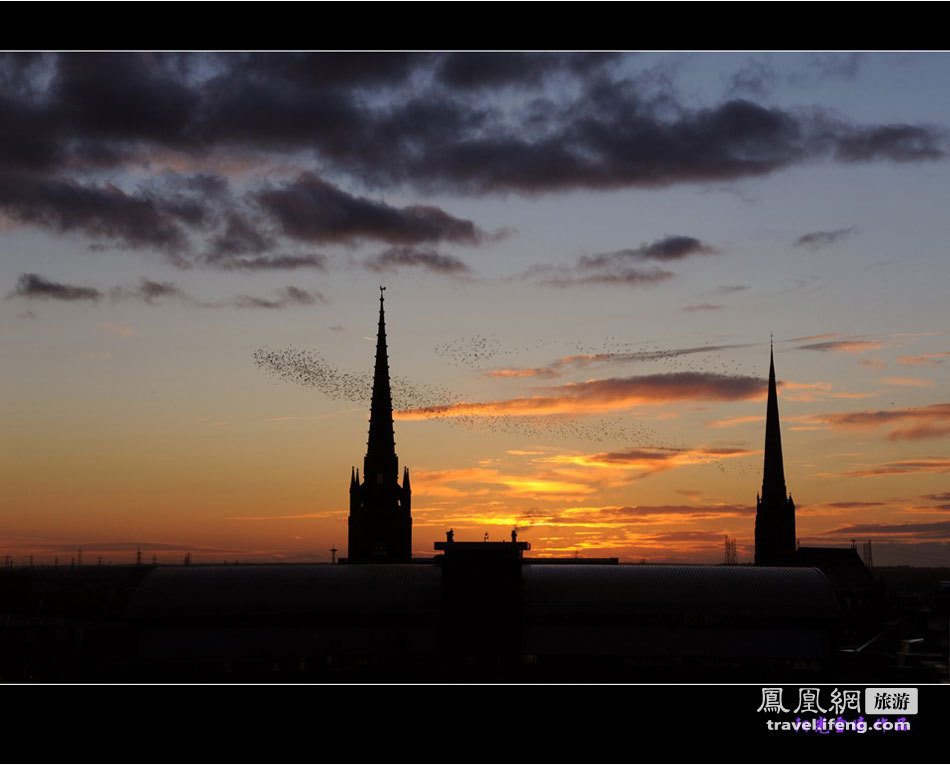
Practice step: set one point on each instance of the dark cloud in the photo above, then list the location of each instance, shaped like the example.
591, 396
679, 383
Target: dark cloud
940, 529
822, 66
665, 249
471, 71
843, 346
921, 431
124, 97
729, 289
669, 353
319, 71
924, 359
713, 537
901, 467
812, 337
149, 291
313, 210
35, 286
610, 139
914, 423
615, 267
65, 206
703, 307
634, 455
755, 77
853, 505
239, 237
607, 395
637, 455
897, 143
554, 276
584, 360
287, 297
429, 122
703, 511
634, 514
268, 262
429, 260
19, 70
614, 138
102, 109
818, 239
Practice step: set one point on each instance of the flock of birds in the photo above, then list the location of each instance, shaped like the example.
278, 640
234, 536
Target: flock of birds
311, 369
557, 427
471, 352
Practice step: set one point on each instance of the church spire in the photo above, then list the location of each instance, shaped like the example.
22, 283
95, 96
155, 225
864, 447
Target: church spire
773, 474
381, 457
774, 511
380, 520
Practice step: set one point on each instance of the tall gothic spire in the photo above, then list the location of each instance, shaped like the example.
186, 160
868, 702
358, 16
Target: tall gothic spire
773, 474
380, 520
381, 457
774, 510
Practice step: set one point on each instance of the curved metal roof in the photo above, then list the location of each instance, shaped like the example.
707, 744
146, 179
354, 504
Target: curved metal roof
657, 589
220, 591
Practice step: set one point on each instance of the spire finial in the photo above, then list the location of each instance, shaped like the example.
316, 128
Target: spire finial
381, 446
773, 480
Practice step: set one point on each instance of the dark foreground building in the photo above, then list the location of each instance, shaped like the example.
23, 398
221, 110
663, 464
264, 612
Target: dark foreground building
448, 620
457, 618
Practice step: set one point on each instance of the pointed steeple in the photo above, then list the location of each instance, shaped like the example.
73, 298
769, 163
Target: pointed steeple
774, 510
773, 474
380, 520
381, 457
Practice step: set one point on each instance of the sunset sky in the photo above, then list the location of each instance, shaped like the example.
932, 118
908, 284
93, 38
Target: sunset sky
585, 255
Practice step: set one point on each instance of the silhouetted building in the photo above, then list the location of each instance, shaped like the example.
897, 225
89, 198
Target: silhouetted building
380, 521
852, 581
774, 511
482, 613
775, 539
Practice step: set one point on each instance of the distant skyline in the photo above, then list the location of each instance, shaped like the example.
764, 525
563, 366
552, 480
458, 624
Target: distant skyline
585, 255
